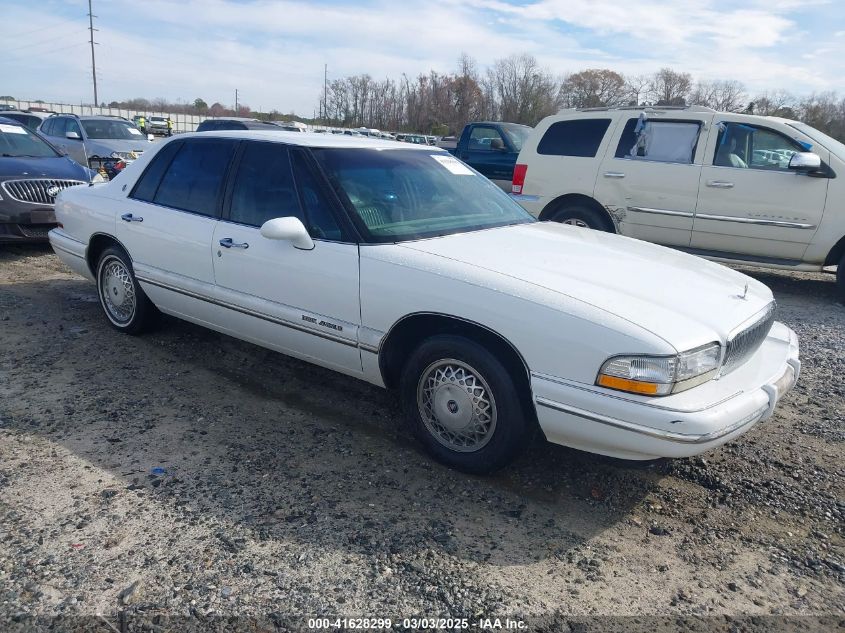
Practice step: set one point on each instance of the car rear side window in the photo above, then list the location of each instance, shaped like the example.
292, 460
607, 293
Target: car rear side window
148, 182
579, 137
660, 141
264, 187
194, 178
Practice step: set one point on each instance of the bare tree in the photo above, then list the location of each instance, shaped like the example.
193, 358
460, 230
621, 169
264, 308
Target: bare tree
723, 95
773, 103
594, 87
637, 86
668, 87
525, 93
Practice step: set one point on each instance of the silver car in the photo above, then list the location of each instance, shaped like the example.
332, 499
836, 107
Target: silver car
91, 140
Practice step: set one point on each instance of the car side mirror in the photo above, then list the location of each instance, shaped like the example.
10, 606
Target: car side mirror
73, 135
289, 229
805, 162
151, 137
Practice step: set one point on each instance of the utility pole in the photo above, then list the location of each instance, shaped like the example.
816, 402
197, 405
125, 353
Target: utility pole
325, 93
91, 28
236, 102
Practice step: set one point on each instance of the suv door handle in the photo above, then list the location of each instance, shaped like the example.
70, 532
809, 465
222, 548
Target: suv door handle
720, 184
227, 242
128, 217
614, 174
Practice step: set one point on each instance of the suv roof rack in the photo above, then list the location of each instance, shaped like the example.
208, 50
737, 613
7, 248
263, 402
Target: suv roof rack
649, 108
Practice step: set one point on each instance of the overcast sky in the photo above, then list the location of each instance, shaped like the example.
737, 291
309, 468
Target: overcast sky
274, 51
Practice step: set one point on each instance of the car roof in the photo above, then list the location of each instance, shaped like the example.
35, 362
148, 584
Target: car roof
311, 139
7, 121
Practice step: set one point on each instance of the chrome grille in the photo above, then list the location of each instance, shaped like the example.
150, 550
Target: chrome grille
745, 343
36, 230
35, 190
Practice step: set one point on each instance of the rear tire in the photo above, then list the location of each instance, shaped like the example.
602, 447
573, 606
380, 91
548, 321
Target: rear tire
463, 405
124, 303
583, 216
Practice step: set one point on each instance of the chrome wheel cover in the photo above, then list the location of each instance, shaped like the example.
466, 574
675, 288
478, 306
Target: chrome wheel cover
576, 222
117, 291
456, 405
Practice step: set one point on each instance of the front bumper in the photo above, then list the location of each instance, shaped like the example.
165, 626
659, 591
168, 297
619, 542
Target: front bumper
623, 425
72, 252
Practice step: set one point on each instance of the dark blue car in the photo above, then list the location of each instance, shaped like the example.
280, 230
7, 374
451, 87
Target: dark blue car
32, 173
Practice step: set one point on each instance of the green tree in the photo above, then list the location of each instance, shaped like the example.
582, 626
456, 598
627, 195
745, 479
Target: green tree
200, 104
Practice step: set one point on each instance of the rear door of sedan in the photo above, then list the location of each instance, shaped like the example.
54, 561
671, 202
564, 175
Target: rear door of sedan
301, 302
167, 223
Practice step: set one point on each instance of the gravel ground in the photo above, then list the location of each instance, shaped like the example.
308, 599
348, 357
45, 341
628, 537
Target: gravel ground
285, 491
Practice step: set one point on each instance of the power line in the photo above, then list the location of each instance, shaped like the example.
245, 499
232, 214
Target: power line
37, 53
43, 28
17, 48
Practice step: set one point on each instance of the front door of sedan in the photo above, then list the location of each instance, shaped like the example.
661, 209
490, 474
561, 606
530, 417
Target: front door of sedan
304, 303
749, 201
167, 223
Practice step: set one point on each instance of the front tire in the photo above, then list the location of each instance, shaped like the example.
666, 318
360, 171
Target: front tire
840, 277
124, 303
463, 405
583, 216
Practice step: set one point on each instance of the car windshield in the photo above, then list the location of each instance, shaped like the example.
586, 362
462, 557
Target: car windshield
109, 129
517, 135
17, 141
835, 147
406, 194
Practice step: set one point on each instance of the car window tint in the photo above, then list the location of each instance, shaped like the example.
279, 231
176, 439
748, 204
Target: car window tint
581, 137
73, 126
322, 223
193, 180
58, 128
481, 138
750, 147
661, 141
264, 187
150, 179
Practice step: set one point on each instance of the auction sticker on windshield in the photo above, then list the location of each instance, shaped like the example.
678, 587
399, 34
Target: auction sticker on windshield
452, 164
11, 129
132, 130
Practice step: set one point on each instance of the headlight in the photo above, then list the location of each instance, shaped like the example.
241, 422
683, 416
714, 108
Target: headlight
661, 375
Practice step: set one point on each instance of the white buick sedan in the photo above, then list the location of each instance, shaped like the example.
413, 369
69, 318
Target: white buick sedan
401, 266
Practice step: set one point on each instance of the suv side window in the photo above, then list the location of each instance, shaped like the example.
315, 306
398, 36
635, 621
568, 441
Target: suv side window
580, 137
148, 183
73, 126
264, 187
482, 139
661, 141
194, 178
752, 147
321, 220
58, 128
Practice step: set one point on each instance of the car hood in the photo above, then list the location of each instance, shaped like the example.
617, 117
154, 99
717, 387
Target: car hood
104, 146
683, 299
59, 167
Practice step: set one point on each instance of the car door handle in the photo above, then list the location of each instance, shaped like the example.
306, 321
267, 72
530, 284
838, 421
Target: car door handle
720, 184
614, 174
128, 217
227, 242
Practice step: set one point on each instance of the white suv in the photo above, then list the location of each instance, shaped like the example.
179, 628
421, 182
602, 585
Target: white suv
735, 188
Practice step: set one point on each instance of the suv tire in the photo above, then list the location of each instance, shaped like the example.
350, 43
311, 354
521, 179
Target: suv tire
583, 216
463, 405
